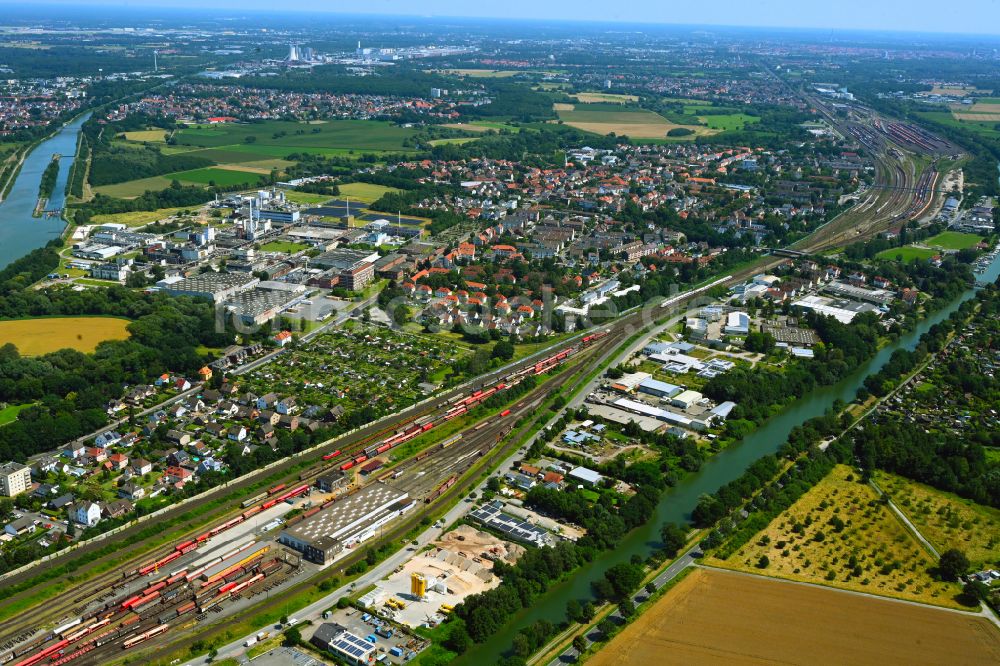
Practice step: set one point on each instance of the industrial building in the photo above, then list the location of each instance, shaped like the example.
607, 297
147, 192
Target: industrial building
353, 649
260, 306
492, 515
15, 479
346, 522
658, 389
356, 269
217, 287
843, 311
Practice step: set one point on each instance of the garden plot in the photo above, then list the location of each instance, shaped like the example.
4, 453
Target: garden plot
359, 368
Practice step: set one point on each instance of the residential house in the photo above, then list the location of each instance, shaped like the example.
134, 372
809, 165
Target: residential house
132, 491
86, 513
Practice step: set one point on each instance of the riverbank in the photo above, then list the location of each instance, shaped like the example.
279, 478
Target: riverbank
677, 503
20, 230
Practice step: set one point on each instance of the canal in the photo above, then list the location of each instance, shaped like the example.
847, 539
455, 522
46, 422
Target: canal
678, 502
20, 231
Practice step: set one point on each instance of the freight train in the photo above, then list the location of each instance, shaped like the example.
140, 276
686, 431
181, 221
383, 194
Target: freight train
462, 404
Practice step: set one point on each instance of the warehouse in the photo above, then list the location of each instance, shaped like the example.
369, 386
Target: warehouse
346, 522
686, 400
628, 383
216, 287
615, 415
658, 389
843, 311
653, 412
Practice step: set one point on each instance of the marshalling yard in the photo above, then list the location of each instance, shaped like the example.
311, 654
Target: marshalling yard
357, 490
286, 534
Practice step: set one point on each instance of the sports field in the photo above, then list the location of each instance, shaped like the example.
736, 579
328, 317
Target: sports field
34, 337
608, 118
946, 240
953, 240
838, 534
717, 617
906, 254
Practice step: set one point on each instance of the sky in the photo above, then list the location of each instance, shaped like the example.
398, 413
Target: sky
965, 16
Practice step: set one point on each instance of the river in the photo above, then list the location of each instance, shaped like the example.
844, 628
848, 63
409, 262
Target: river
678, 502
20, 232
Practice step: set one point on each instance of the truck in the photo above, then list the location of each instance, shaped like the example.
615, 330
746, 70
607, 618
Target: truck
250, 641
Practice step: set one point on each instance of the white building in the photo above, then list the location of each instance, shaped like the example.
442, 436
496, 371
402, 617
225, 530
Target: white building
15, 479
87, 513
737, 323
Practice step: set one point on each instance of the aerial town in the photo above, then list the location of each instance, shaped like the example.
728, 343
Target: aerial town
331, 340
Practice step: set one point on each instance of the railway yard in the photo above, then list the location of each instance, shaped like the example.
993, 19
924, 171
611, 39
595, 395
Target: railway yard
907, 184
381, 480
228, 566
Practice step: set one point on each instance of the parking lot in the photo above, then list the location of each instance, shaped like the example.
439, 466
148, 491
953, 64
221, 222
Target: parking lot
366, 626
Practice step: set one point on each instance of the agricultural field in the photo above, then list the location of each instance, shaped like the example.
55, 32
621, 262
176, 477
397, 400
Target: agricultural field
155, 135
598, 97
365, 192
357, 367
134, 188
957, 90
988, 128
34, 337
291, 137
608, 118
453, 141
478, 126
946, 520
841, 535
721, 617
220, 176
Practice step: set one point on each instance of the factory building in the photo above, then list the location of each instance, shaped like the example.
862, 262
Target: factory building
346, 522
216, 287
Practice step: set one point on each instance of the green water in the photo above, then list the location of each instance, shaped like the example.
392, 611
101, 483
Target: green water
678, 502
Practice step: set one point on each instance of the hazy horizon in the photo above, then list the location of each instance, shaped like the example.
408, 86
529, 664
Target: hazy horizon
919, 16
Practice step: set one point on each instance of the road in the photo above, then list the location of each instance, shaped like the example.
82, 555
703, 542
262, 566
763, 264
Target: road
314, 612
689, 558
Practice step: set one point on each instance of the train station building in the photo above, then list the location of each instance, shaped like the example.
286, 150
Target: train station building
346, 523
